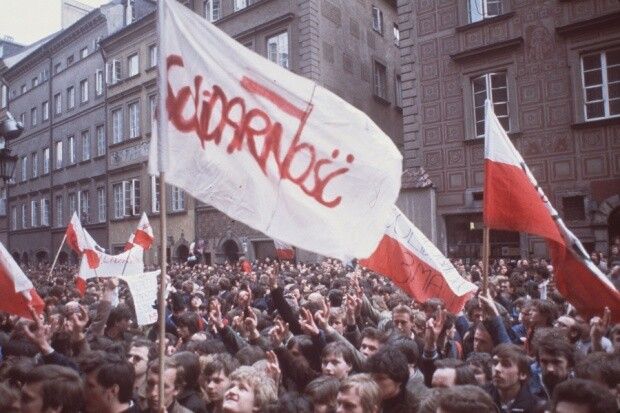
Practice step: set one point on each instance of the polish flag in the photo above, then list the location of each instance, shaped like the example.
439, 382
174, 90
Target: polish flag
514, 201
130, 262
143, 236
415, 265
16, 290
284, 251
80, 241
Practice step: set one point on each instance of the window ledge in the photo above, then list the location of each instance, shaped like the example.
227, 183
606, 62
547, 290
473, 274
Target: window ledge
477, 139
493, 47
484, 22
596, 123
381, 100
607, 20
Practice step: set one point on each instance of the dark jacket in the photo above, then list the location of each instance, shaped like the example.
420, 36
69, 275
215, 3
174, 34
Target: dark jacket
191, 400
525, 402
403, 402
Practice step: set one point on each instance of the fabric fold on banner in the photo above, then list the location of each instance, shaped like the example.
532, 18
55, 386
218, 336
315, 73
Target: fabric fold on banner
415, 265
142, 236
270, 148
80, 241
284, 251
127, 263
514, 201
143, 289
16, 289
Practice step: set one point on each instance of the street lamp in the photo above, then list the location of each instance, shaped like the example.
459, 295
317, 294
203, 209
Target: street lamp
9, 129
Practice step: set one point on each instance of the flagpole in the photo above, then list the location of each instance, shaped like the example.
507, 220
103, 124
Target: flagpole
485, 259
62, 243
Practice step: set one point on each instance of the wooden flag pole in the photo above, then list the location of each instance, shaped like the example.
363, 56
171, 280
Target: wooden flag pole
62, 243
162, 287
485, 259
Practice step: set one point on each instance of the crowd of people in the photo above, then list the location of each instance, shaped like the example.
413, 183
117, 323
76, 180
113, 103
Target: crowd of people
285, 337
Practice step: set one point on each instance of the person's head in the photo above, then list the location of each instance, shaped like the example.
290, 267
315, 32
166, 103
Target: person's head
120, 318
190, 368
358, 394
402, 317
336, 321
452, 372
172, 382
556, 356
409, 348
9, 399
372, 340
614, 336
336, 360
542, 313
187, 325
603, 368
139, 355
480, 363
322, 392
216, 374
473, 310
388, 367
582, 396
465, 399
249, 391
51, 388
108, 381
510, 367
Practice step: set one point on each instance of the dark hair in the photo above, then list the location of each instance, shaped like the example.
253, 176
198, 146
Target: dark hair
515, 354
466, 399
60, 386
190, 364
143, 342
546, 308
482, 360
374, 334
408, 347
339, 348
601, 367
249, 355
388, 360
8, 397
584, 392
323, 390
290, 402
188, 320
118, 314
111, 369
223, 362
462, 373
556, 345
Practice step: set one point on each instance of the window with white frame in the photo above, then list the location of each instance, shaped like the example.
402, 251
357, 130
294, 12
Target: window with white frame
35, 81
72, 203
377, 19
34, 213
35, 164
57, 104
152, 107
601, 84
24, 164
84, 91
4, 96
22, 118
70, 97
483, 9
241, 4
58, 155
46, 161
57, 68
134, 120
24, 217
2, 201
277, 49
13, 218
101, 144
58, 205
22, 89
133, 65
45, 212
117, 126
113, 72
380, 80
126, 198
212, 10
398, 91
101, 205
99, 82
45, 110
84, 206
71, 148
396, 32
178, 199
119, 200
154, 194
492, 86
84, 52
153, 55
33, 117
85, 145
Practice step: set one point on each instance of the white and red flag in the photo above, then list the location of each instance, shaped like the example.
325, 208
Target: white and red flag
16, 290
415, 265
130, 262
142, 236
80, 241
514, 201
284, 251
270, 148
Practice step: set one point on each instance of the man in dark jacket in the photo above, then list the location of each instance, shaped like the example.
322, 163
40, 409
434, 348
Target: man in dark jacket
189, 392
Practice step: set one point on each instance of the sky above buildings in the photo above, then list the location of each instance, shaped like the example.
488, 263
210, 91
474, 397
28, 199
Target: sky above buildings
30, 20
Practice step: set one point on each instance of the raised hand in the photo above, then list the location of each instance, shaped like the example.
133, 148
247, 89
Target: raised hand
278, 332
215, 316
488, 305
273, 367
307, 323
433, 330
38, 332
598, 328
321, 317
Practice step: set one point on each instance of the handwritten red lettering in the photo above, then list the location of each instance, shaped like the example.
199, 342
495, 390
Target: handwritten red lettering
312, 175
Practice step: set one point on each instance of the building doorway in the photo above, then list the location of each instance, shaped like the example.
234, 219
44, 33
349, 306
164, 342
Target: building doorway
464, 236
42, 257
231, 251
182, 253
614, 227
63, 257
25, 258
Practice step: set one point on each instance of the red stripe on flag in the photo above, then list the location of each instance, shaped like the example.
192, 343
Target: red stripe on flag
285, 254
80, 285
142, 239
72, 240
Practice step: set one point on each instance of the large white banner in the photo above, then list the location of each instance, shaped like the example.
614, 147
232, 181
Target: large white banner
270, 148
143, 288
127, 263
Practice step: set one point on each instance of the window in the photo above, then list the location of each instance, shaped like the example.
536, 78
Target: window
99, 82
35, 81
2, 201
71, 148
58, 163
133, 65
57, 104
153, 55
117, 126
35, 164
34, 213
101, 204
113, 72
45, 212
277, 49
574, 208
601, 84
22, 89
24, 216
24, 171
85, 145
13, 218
59, 213
33, 117
396, 35
46, 161
126, 198
22, 118
398, 91
84, 91
178, 199
45, 110
84, 206
84, 52
241, 4
380, 80
134, 120
212, 10
72, 203
377, 19
154, 194
45, 75
4, 96
100, 132
483, 9
69, 60
152, 107
70, 97
57, 68
496, 83
119, 203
